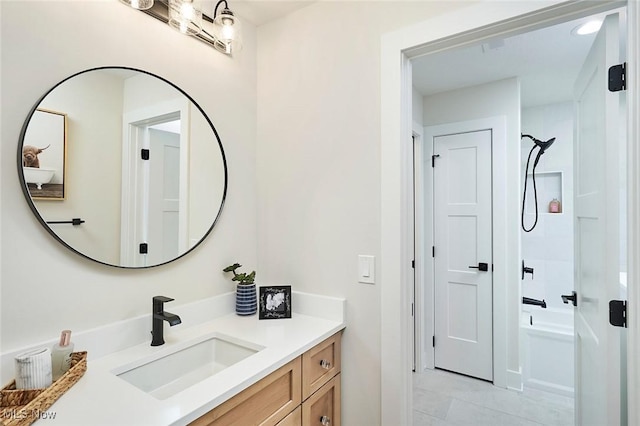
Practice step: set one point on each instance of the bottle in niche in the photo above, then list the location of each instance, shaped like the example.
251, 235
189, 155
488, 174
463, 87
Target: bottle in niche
555, 206
61, 355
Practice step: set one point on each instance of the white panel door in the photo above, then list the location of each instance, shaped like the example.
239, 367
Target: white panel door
597, 234
164, 196
463, 240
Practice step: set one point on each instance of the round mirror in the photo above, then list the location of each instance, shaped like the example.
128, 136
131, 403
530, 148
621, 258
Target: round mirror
122, 167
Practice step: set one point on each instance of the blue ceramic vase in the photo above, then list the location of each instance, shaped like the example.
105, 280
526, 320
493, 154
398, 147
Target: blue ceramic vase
246, 300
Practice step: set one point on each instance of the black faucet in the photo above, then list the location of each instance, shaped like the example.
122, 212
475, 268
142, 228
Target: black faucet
158, 316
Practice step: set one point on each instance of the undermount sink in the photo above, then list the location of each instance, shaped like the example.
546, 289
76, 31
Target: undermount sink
172, 373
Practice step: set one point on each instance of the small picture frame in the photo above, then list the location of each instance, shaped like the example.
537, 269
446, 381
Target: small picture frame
274, 302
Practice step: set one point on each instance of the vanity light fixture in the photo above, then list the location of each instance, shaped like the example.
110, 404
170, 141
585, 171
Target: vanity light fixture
139, 4
185, 16
222, 32
226, 25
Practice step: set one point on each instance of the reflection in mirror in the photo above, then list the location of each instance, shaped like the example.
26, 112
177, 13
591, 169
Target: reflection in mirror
139, 164
43, 157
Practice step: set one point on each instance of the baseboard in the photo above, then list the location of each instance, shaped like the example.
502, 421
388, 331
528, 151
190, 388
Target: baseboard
514, 380
549, 387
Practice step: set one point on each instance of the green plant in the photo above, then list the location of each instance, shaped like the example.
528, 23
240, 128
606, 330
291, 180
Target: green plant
241, 278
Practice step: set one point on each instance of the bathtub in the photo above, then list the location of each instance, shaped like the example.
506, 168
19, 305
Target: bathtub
39, 176
547, 349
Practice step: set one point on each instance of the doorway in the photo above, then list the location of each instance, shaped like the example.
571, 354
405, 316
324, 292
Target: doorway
459, 28
458, 206
155, 175
488, 47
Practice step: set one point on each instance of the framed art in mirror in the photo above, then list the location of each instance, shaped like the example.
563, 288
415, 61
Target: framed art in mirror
44, 154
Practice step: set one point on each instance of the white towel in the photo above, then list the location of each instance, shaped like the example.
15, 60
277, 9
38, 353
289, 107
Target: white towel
33, 369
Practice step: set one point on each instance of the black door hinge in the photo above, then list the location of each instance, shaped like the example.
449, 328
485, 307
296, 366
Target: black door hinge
618, 313
144, 248
433, 341
433, 251
433, 159
618, 77
144, 154
413, 264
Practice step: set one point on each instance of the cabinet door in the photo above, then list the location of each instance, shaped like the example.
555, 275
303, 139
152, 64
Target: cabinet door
323, 407
264, 403
293, 419
319, 364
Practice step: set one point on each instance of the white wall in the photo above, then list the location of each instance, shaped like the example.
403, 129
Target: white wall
549, 247
45, 287
93, 123
501, 98
319, 168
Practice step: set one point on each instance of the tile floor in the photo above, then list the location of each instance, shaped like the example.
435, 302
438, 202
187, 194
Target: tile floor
441, 398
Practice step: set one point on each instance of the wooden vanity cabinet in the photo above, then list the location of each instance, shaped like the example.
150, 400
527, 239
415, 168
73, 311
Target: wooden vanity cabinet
323, 407
293, 419
264, 403
304, 392
319, 364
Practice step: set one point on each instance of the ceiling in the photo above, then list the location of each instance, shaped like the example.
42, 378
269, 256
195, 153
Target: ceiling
546, 60
259, 12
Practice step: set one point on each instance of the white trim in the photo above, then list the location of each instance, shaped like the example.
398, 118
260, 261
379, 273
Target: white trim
464, 26
514, 379
135, 137
395, 351
498, 127
419, 150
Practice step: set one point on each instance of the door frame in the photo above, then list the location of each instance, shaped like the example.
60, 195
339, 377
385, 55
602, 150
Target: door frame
134, 137
426, 310
464, 26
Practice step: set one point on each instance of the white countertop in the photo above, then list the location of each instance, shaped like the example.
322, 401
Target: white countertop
100, 397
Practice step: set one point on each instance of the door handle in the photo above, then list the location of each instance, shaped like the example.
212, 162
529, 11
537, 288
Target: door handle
481, 266
573, 297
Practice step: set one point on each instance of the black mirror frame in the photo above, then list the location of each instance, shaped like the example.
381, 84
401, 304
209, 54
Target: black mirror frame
25, 189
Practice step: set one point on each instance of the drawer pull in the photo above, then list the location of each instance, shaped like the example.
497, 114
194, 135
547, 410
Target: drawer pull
326, 365
325, 420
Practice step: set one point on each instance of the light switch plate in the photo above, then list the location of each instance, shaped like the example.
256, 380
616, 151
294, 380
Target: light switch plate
366, 269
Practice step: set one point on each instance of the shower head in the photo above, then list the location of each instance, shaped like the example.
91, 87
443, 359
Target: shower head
542, 144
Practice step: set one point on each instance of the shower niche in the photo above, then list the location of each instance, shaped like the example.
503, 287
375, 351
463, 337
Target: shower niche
550, 187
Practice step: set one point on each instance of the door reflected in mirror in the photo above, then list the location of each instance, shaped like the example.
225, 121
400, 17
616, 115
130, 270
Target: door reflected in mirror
140, 164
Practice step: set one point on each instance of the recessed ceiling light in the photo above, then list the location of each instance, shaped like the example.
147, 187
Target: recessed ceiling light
587, 28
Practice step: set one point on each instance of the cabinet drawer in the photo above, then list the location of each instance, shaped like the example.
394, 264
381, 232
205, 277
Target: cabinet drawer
323, 407
319, 364
264, 403
293, 419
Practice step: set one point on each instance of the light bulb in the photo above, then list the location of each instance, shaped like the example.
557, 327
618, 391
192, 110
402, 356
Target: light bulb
187, 11
185, 16
588, 28
228, 32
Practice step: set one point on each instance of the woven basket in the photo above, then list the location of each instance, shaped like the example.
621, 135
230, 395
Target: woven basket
20, 407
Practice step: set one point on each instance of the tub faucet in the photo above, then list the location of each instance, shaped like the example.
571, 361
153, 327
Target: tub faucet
158, 316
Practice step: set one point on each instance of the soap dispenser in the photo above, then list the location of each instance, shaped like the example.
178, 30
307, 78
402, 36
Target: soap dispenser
61, 355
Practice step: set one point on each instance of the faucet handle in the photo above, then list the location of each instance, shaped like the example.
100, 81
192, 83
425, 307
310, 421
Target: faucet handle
162, 299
